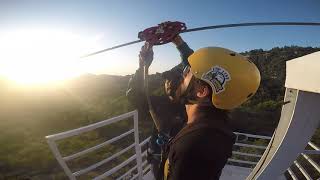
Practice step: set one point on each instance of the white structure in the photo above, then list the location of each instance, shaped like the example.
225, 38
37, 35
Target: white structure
300, 117
138, 156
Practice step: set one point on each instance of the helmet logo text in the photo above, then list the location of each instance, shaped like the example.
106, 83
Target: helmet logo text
218, 77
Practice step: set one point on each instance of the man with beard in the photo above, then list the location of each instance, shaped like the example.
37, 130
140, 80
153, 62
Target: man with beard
216, 80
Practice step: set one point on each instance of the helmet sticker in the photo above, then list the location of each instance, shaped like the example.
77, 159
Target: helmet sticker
218, 77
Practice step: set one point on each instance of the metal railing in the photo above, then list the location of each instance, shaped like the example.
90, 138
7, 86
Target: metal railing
239, 158
299, 166
242, 141
309, 160
51, 139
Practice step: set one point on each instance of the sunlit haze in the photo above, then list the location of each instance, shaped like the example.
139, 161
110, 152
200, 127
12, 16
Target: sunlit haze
41, 41
39, 55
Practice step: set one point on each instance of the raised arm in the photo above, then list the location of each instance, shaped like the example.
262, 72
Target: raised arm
136, 92
183, 48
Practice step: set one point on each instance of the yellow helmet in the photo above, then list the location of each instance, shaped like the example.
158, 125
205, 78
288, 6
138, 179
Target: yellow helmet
232, 77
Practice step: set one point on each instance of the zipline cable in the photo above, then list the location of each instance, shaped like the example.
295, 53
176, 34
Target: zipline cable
253, 24
114, 47
216, 27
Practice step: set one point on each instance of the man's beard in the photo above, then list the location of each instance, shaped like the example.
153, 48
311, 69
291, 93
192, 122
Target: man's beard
188, 95
183, 95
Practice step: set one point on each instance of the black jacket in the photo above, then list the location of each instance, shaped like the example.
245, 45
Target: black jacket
171, 115
201, 149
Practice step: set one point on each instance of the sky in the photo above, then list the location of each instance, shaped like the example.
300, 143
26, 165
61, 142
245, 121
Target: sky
62, 30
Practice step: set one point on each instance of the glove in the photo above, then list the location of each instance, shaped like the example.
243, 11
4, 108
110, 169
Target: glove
146, 55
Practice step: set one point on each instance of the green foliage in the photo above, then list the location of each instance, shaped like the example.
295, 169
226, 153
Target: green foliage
28, 115
268, 105
262, 112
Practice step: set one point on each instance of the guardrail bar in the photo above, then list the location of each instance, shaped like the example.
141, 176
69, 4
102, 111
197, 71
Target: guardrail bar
302, 170
254, 136
250, 145
246, 154
97, 146
144, 141
313, 146
134, 177
115, 169
146, 169
314, 164
144, 153
90, 127
311, 152
293, 176
241, 161
127, 173
137, 144
103, 161
58, 156
144, 163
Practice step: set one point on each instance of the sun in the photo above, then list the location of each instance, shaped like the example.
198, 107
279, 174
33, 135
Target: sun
36, 56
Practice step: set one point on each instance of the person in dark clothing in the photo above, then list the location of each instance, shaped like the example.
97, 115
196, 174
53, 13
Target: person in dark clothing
201, 149
172, 114
215, 80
